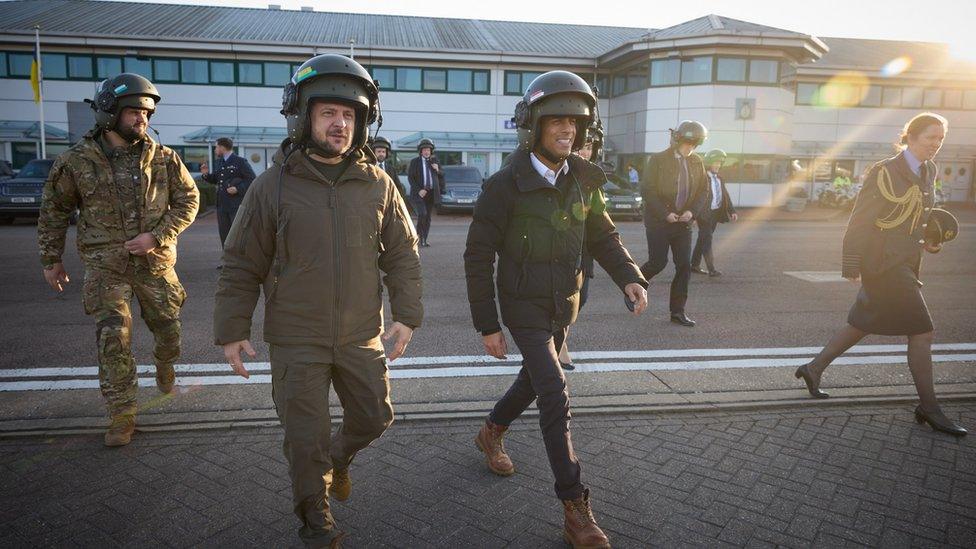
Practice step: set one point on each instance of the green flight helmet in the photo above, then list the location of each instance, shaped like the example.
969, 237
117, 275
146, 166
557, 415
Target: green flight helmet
121, 91
689, 131
555, 93
426, 142
381, 142
336, 78
715, 155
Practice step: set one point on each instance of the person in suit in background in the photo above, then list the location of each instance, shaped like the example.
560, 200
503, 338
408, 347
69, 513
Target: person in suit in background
886, 235
673, 191
381, 150
719, 209
426, 185
232, 175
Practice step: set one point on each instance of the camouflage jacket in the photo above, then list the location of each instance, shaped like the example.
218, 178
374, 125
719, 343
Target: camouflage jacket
82, 178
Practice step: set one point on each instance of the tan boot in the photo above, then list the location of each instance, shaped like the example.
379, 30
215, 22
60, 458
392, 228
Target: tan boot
165, 378
489, 441
341, 485
120, 431
580, 529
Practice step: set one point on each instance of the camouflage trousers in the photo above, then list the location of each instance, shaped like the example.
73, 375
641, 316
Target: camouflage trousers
107, 295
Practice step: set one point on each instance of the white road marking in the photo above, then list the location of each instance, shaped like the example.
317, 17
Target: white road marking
473, 371
817, 276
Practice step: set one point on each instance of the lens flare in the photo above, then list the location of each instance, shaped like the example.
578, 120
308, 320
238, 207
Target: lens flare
896, 66
845, 89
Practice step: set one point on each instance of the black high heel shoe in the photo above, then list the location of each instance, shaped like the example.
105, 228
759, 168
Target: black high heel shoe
803, 372
939, 422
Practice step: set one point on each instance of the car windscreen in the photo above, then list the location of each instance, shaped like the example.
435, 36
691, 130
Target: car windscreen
462, 176
35, 169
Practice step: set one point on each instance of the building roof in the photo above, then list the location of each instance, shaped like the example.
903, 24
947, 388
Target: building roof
306, 28
710, 25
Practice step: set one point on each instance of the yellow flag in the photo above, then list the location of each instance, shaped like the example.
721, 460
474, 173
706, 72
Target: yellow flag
35, 76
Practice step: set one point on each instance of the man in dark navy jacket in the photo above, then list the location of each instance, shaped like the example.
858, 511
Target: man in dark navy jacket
232, 175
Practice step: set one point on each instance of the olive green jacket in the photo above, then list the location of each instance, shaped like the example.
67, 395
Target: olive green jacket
319, 255
81, 178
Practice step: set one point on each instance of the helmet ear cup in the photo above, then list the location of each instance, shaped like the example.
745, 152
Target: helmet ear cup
106, 100
289, 99
522, 115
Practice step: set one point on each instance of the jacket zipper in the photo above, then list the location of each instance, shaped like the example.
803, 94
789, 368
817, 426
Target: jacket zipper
334, 206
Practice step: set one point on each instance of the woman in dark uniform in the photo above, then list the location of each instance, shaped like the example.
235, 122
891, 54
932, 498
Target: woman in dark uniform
883, 249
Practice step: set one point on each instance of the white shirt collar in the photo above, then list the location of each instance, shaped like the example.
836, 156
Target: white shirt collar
546, 173
226, 156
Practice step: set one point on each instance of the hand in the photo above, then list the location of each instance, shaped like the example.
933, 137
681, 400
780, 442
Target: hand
932, 247
735, 217
422, 193
685, 217
204, 169
436, 167
638, 296
671, 218
495, 344
142, 244
400, 334
56, 275
232, 190
232, 352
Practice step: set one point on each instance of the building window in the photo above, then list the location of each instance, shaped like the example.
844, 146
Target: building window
952, 99
601, 86
276, 74
756, 169
807, 93
107, 67
516, 82
459, 81
385, 76
222, 72
435, 80
140, 66
871, 96
54, 65
891, 97
696, 71
730, 70
194, 71
969, 100
933, 99
3, 65
166, 70
638, 78
763, 71
665, 72
20, 64
80, 66
250, 73
911, 97
482, 82
409, 79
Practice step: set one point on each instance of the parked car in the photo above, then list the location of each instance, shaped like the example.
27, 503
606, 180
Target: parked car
21, 194
462, 187
623, 200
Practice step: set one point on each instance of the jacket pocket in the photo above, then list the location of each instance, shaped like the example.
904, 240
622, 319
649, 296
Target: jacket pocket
90, 294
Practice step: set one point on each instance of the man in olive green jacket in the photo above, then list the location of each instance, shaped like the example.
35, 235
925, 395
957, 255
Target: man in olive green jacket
317, 231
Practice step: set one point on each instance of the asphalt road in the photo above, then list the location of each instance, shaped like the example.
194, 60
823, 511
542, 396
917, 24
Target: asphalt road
753, 305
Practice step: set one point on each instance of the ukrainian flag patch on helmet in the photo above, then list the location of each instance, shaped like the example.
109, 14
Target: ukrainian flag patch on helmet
120, 89
304, 73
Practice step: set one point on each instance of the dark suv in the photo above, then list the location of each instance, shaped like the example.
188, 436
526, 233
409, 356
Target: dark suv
462, 186
21, 194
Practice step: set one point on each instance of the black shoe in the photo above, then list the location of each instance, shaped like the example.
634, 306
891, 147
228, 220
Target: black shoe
568, 366
219, 267
699, 270
714, 272
814, 389
681, 318
939, 422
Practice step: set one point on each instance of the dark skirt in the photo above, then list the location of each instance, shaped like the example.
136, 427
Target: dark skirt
891, 304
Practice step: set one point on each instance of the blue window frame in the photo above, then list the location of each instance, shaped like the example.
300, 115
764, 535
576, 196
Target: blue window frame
250, 73
194, 71
166, 70
108, 66
80, 67
222, 72
20, 64
277, 74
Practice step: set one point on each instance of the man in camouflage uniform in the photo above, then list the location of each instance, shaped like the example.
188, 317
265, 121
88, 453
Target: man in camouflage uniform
134, 196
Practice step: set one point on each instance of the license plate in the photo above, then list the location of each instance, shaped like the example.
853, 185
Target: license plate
624, 206
23, 199
465, 201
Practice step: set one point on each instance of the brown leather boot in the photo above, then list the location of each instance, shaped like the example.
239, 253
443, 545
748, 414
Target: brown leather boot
120, 431
580, 529
165, 378
489, 441
341, 484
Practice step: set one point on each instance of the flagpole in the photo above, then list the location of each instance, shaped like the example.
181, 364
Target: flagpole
40, 87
